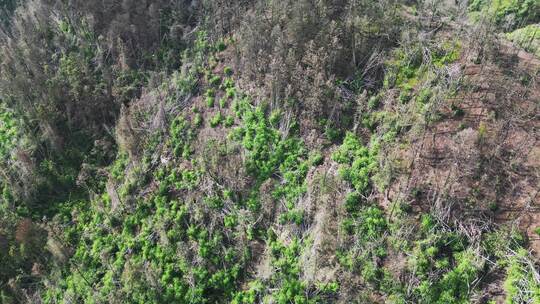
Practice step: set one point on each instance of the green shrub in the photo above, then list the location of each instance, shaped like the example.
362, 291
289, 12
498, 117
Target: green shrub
352, 201
293, 216
198, 120
250, 296
275, 117
223, 103
210, 101
404, 70
330, 287
444, 265
268, 152
230, 92
216, 120
221, 46
118, 167
348, 225
214, 202
455, 285
180, 137
230, 221
333, 134
227, 83
9, 132
286, 259
358, 163
215, 80
229, 121
316, 158
183, 179
427, 222
447, 53
372, 222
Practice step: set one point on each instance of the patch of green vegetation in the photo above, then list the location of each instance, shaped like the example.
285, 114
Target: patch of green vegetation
230, 92
405, 95
214, 279
366, 227
316, 158
215, 80
445, 253
366, 223
455, 285
358, 162
183, 179
407, 68
404, 70
423, 97
229, 121
182, 229
216, 120
270, 154
210, 101
449, 52
527, 38
210, 97
227, 83
441, 261
292, 216
118, 167
141, 246
198, 120
285, 257
520, 285
513, 12
250, 296
221, 46
9, 133
181, 134
268, 151
223, 103
333, 134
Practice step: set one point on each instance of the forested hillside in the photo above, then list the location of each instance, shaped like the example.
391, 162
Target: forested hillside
270, 151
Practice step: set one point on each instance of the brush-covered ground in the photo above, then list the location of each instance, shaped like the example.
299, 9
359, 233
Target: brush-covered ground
288, 151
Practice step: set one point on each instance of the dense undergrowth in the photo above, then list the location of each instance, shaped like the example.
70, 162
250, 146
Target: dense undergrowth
187, 152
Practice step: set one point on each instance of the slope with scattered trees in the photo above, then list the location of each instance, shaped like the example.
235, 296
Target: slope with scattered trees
246, 151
